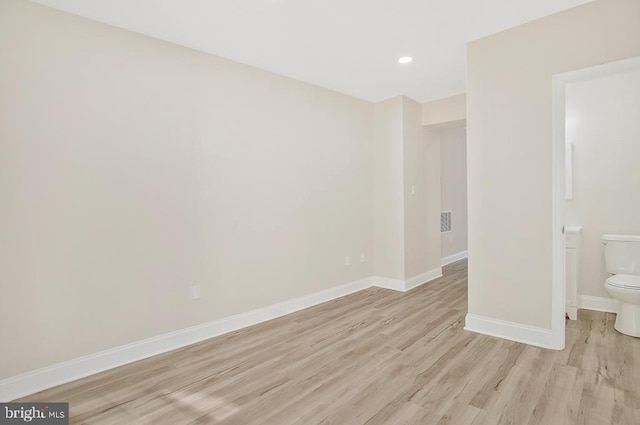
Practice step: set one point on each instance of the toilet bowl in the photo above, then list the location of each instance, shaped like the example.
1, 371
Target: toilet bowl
622, 259
626, 289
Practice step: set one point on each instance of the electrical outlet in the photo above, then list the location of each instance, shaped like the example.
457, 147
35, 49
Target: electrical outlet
347, 261
196, 292
363, 258
413, 189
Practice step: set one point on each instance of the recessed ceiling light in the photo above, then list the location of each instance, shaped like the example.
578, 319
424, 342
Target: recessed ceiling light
405, 60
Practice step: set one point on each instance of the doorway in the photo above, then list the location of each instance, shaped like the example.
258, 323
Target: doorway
448, 175
453, 193
568, 184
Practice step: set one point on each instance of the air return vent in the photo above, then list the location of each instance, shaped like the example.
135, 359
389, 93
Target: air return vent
445, 221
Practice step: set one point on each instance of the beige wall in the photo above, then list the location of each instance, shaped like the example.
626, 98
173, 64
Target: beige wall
131, 169
452, 108
419, 220
404, 223
432, 165
454, 188
388, 184
509, 149
602, 123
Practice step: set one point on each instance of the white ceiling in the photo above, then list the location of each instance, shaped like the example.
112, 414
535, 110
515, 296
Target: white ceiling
350, 46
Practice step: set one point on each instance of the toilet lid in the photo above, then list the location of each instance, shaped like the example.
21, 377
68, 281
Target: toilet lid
628, 281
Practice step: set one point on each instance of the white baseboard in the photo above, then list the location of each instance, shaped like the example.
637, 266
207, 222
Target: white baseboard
388, 283
454, 257
406, 285
608, 305
422, 278
51, 376
540, 337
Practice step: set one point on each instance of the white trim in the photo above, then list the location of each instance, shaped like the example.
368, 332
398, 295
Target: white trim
406, 285
422, 278
388, 283
608, 305
558, 272
51, 376
454, 257
540, 337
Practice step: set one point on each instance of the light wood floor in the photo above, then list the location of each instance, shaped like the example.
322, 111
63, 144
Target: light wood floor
374, 357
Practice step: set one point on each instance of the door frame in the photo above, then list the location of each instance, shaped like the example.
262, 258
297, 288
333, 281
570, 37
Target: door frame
559, 82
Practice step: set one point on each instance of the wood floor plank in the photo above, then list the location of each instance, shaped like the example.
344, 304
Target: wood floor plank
373, 357
560, 398
459, 414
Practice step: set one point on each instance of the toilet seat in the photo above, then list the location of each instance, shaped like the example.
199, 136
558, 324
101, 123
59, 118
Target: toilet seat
626, 281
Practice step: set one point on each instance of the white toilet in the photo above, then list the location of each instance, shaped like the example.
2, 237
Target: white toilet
622, 259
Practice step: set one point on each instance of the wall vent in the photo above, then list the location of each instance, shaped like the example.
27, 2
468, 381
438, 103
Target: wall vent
445, 221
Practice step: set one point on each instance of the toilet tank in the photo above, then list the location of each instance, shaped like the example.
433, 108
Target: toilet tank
622, 254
